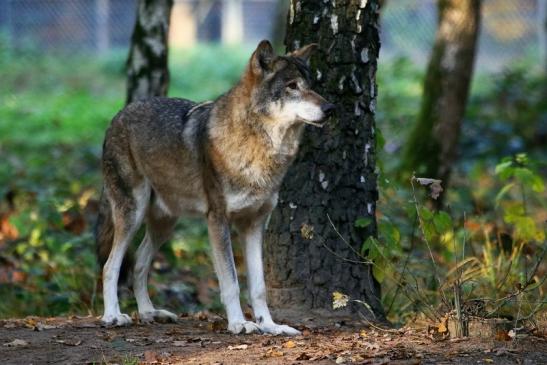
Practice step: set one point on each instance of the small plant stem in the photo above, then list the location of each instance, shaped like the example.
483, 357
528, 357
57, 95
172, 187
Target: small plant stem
407, 259
435, 270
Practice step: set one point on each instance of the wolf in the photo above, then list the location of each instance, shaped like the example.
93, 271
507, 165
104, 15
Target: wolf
164, 158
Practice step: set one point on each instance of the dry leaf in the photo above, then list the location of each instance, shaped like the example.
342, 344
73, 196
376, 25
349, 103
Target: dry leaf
40, 327
16, 343
341, 360
217, 325
289, 344
339, 300
273, 353
434, 185
238, 347
150, 357
70, 342
306, 231
371, 346
503, 335
442, 327
303, 356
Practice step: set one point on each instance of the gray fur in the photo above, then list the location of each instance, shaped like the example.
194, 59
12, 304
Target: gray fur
166, 157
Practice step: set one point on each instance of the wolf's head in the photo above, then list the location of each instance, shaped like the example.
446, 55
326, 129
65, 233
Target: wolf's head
281, 86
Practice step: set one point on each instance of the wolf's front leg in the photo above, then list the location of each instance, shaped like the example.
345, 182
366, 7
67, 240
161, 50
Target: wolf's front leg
223, 260
253, 236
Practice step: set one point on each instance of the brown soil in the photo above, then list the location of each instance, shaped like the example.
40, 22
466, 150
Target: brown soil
201, 340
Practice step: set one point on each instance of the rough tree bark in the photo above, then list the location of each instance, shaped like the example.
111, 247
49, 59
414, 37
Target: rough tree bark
431, 147
147, 69
334, 174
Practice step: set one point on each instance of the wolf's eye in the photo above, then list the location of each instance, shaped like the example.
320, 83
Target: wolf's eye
293, 85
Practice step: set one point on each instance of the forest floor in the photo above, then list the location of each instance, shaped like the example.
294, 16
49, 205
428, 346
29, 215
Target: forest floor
202, 340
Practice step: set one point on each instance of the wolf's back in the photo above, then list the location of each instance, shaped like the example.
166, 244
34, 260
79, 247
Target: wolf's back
154, 116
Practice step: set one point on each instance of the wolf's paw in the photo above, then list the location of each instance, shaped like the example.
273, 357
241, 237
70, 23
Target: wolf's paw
243, 327
278, 329
158, 315
119, 319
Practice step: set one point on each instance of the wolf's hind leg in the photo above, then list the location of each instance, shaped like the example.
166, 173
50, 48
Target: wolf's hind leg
252, 235
127, 216
158, 231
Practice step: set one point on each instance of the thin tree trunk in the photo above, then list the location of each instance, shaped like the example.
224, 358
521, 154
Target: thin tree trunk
334, 175
147, 69
431, 147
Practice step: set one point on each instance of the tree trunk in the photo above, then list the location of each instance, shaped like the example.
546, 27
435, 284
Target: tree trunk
147, 69
431, 147
334, 175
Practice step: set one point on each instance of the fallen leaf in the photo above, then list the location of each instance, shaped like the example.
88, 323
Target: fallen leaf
339, 300
70, 342
503, 335
273, 353
442, 327
488, 360
371, 346
150, 357
201, 315
289, 344
30, 323
40, 327
303, 356
238, 347
16, 343
340, 360
217, 325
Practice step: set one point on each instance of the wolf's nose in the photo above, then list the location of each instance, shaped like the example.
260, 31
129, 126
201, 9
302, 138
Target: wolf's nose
328, 108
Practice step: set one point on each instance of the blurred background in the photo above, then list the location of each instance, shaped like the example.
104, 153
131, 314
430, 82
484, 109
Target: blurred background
62, 79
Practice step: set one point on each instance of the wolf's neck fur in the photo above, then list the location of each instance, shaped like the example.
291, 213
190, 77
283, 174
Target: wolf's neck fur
252, 147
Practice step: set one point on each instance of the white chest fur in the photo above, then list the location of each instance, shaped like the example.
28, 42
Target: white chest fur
242, 200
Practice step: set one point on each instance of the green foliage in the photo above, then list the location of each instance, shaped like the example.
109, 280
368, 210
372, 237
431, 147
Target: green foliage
487, 253
54, 111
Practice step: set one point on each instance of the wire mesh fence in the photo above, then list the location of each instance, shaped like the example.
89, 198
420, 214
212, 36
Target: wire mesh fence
510, 29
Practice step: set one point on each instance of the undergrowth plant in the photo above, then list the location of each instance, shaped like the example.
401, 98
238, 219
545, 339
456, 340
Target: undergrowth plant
433, 262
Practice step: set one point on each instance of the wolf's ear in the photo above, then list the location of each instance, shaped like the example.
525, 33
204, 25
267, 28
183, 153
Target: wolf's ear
262, 58
305, 52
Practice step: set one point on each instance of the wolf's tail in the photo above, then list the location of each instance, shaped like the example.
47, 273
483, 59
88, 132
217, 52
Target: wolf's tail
104, 237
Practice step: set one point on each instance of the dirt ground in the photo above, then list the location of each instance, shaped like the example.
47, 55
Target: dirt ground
202, 340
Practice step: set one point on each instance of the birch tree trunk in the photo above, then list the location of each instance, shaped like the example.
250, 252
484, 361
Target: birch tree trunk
307, 257
432, 145
147, 69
